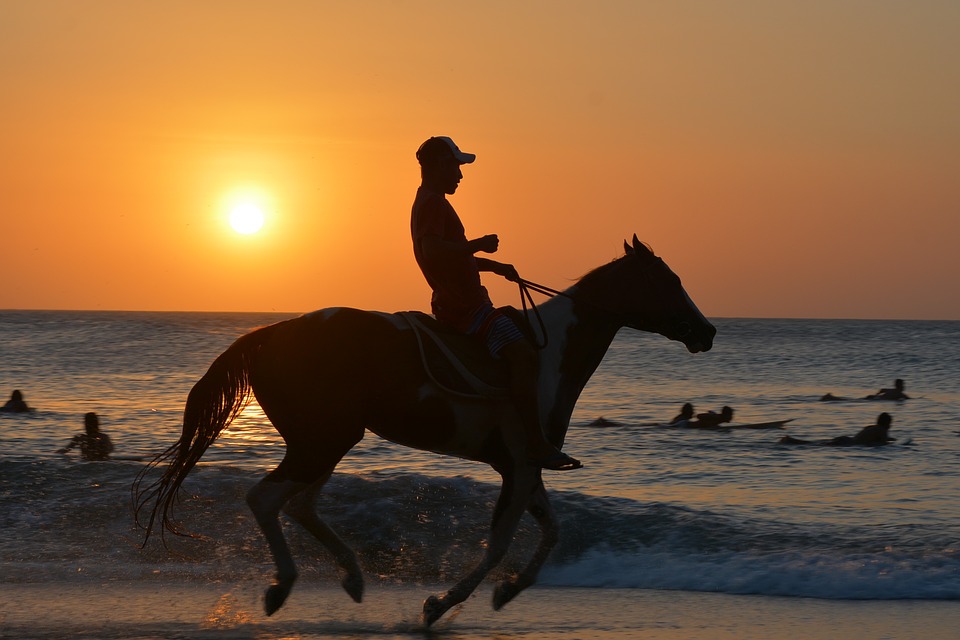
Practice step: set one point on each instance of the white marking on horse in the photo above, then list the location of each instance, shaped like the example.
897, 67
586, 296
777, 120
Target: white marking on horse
324, 314
394, 318
558, 318
700, 315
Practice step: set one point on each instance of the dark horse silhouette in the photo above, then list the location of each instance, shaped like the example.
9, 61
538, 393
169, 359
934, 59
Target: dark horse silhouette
324, 378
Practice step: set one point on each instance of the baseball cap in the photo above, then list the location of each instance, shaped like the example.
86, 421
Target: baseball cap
438, 146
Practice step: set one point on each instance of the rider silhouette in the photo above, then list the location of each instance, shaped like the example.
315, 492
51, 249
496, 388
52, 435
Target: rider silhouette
448, 263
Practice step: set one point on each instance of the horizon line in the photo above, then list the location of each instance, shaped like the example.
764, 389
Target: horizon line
299, 313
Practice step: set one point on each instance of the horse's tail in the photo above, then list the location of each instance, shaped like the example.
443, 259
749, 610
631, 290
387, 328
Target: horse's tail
215, 400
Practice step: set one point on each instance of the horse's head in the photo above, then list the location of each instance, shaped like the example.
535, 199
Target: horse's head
641, 292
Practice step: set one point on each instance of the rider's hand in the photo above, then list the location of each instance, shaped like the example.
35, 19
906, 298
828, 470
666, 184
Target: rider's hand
487, 244
509, 272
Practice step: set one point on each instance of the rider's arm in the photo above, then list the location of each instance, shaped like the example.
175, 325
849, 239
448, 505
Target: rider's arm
435, 247
500, 268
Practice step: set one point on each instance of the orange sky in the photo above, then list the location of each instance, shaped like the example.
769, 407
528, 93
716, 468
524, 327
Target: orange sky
787, 159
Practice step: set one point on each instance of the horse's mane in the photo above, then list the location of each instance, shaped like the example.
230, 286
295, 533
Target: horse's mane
629, 253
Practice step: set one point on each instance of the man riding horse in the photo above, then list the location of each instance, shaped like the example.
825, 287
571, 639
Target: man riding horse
448, 262
326, 378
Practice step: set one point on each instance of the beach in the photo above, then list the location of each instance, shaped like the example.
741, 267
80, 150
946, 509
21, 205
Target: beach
188, 610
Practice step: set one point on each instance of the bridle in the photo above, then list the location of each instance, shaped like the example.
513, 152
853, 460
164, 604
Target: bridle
526, 298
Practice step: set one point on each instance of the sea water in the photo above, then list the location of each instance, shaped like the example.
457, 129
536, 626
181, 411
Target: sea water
654, 508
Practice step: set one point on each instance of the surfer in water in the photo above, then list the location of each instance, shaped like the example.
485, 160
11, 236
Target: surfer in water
15, 404
884, 394
93, 443
712, 419
890, 394
874, 435
684, 417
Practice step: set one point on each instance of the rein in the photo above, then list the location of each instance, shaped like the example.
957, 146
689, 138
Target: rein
526, 286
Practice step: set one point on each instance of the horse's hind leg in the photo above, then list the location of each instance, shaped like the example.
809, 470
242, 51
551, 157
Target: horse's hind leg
543, 513
302, 508
309, 461
266, 499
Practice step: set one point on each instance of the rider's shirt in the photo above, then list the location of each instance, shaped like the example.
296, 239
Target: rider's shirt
457, 292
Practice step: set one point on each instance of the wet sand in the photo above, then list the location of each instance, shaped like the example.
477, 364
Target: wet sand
167, 609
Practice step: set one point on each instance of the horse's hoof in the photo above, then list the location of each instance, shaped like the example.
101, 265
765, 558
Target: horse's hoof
353, 585
276, 595
433, 609
504, 593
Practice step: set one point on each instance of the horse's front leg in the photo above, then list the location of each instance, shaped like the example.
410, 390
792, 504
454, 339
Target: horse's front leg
512, 502
540, 509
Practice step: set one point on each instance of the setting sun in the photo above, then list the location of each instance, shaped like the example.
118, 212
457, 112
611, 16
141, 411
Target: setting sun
246, 218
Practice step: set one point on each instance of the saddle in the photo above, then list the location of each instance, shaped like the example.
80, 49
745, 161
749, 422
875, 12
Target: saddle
458, 363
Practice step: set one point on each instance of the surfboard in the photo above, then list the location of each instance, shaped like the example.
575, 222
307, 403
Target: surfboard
774, 424
724, 426
603, 422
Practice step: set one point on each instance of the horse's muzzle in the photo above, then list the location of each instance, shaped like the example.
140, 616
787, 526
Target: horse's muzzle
697, 338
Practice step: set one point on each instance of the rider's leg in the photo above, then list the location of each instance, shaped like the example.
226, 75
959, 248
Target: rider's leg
522, 359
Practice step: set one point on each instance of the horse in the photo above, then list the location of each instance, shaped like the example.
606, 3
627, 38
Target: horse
324, 378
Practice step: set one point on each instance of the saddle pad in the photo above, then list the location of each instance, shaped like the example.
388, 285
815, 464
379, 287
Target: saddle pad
457, 363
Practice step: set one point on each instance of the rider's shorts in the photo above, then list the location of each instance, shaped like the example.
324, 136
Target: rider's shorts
494, 328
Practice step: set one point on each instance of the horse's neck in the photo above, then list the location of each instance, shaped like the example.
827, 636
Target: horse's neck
577, 342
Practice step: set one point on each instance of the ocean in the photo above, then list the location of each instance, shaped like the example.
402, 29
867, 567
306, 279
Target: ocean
656, 513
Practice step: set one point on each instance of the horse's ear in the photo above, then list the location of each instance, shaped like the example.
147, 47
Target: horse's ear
639, 247
627, 249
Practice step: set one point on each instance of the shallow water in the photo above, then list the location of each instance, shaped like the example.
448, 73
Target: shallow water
654, 508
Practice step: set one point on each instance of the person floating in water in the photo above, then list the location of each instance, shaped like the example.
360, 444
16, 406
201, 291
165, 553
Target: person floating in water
884, 394
448, 262
890, 394
93, 443
711, 419
15, 404
684, 417
875, 435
